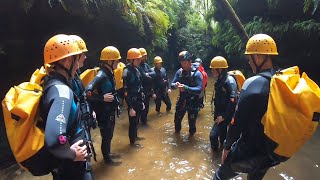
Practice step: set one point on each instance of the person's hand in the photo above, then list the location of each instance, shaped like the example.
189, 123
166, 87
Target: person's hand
108, 97
181, 87
81, 151
94, 115
177, 84
224, 155
219, 119
154, 96
169, 91
132, 112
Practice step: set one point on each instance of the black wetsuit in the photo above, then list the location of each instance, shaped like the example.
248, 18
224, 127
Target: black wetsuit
104, 83
160, 87
147, 89
250, 152
189, 99
224, 105
63, 127
132, 82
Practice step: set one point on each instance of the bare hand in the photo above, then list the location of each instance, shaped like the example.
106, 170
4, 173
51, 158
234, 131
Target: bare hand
181, 87
219, 119
143, 106
94, 115
132, 112
108, 97
81, 151
224, 155
169, 91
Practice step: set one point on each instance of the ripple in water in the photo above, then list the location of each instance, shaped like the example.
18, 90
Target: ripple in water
286, 177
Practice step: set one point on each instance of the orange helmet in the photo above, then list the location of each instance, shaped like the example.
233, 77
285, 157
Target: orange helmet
58, 47
133, 53
143, 51
80, 42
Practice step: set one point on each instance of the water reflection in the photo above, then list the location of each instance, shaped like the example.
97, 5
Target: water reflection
163, 154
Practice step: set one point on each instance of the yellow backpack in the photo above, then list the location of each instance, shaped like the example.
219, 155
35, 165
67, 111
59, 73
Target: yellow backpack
88, 75
293, 111
21, 115
239, 77
118, 75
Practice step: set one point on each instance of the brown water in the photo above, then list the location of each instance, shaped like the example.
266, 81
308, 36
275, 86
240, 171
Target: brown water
166, 155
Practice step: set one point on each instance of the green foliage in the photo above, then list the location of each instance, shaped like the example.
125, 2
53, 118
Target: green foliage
195, 37
226, 38
308, 4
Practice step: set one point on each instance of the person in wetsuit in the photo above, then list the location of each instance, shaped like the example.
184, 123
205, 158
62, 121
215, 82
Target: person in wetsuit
198, 64
249, 152
132, 82
145, 70
224, 100
105, 101
161, 85
189, 82
59, 108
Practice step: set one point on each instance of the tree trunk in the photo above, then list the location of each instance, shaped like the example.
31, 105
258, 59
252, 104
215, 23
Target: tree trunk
225, 7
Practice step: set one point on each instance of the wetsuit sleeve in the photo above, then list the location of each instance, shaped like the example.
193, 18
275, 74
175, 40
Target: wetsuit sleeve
175, 79
93, 85
231, 88
143, 74
198, 88
57, 120
126, 80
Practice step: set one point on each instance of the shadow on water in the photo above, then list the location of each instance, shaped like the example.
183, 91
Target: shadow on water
163, 154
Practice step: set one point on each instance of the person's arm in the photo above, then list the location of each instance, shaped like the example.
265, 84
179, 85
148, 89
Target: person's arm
231, 88
93, 85
57, 120
198, 88
175, 79
126, 80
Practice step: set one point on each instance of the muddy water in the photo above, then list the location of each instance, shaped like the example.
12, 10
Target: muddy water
166, 155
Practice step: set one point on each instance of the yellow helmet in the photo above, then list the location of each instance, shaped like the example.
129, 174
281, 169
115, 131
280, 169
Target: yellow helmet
261, 44
110, 53
218, 62
143, 51
157, 59
59, 47
133, 53
80, 42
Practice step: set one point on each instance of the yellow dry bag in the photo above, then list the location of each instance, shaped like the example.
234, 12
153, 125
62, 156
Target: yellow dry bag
118, 75
88, 75
21, 115
293, 111
239, 77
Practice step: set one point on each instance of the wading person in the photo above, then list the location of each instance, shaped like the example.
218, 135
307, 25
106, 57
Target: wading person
107, 102
224, 101
189, 82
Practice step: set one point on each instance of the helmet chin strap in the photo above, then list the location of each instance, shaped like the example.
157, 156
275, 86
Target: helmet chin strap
68, 71
110, 66
258, 68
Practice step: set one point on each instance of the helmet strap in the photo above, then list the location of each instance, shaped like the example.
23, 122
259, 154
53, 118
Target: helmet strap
68, 71
258, 68
110, 66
